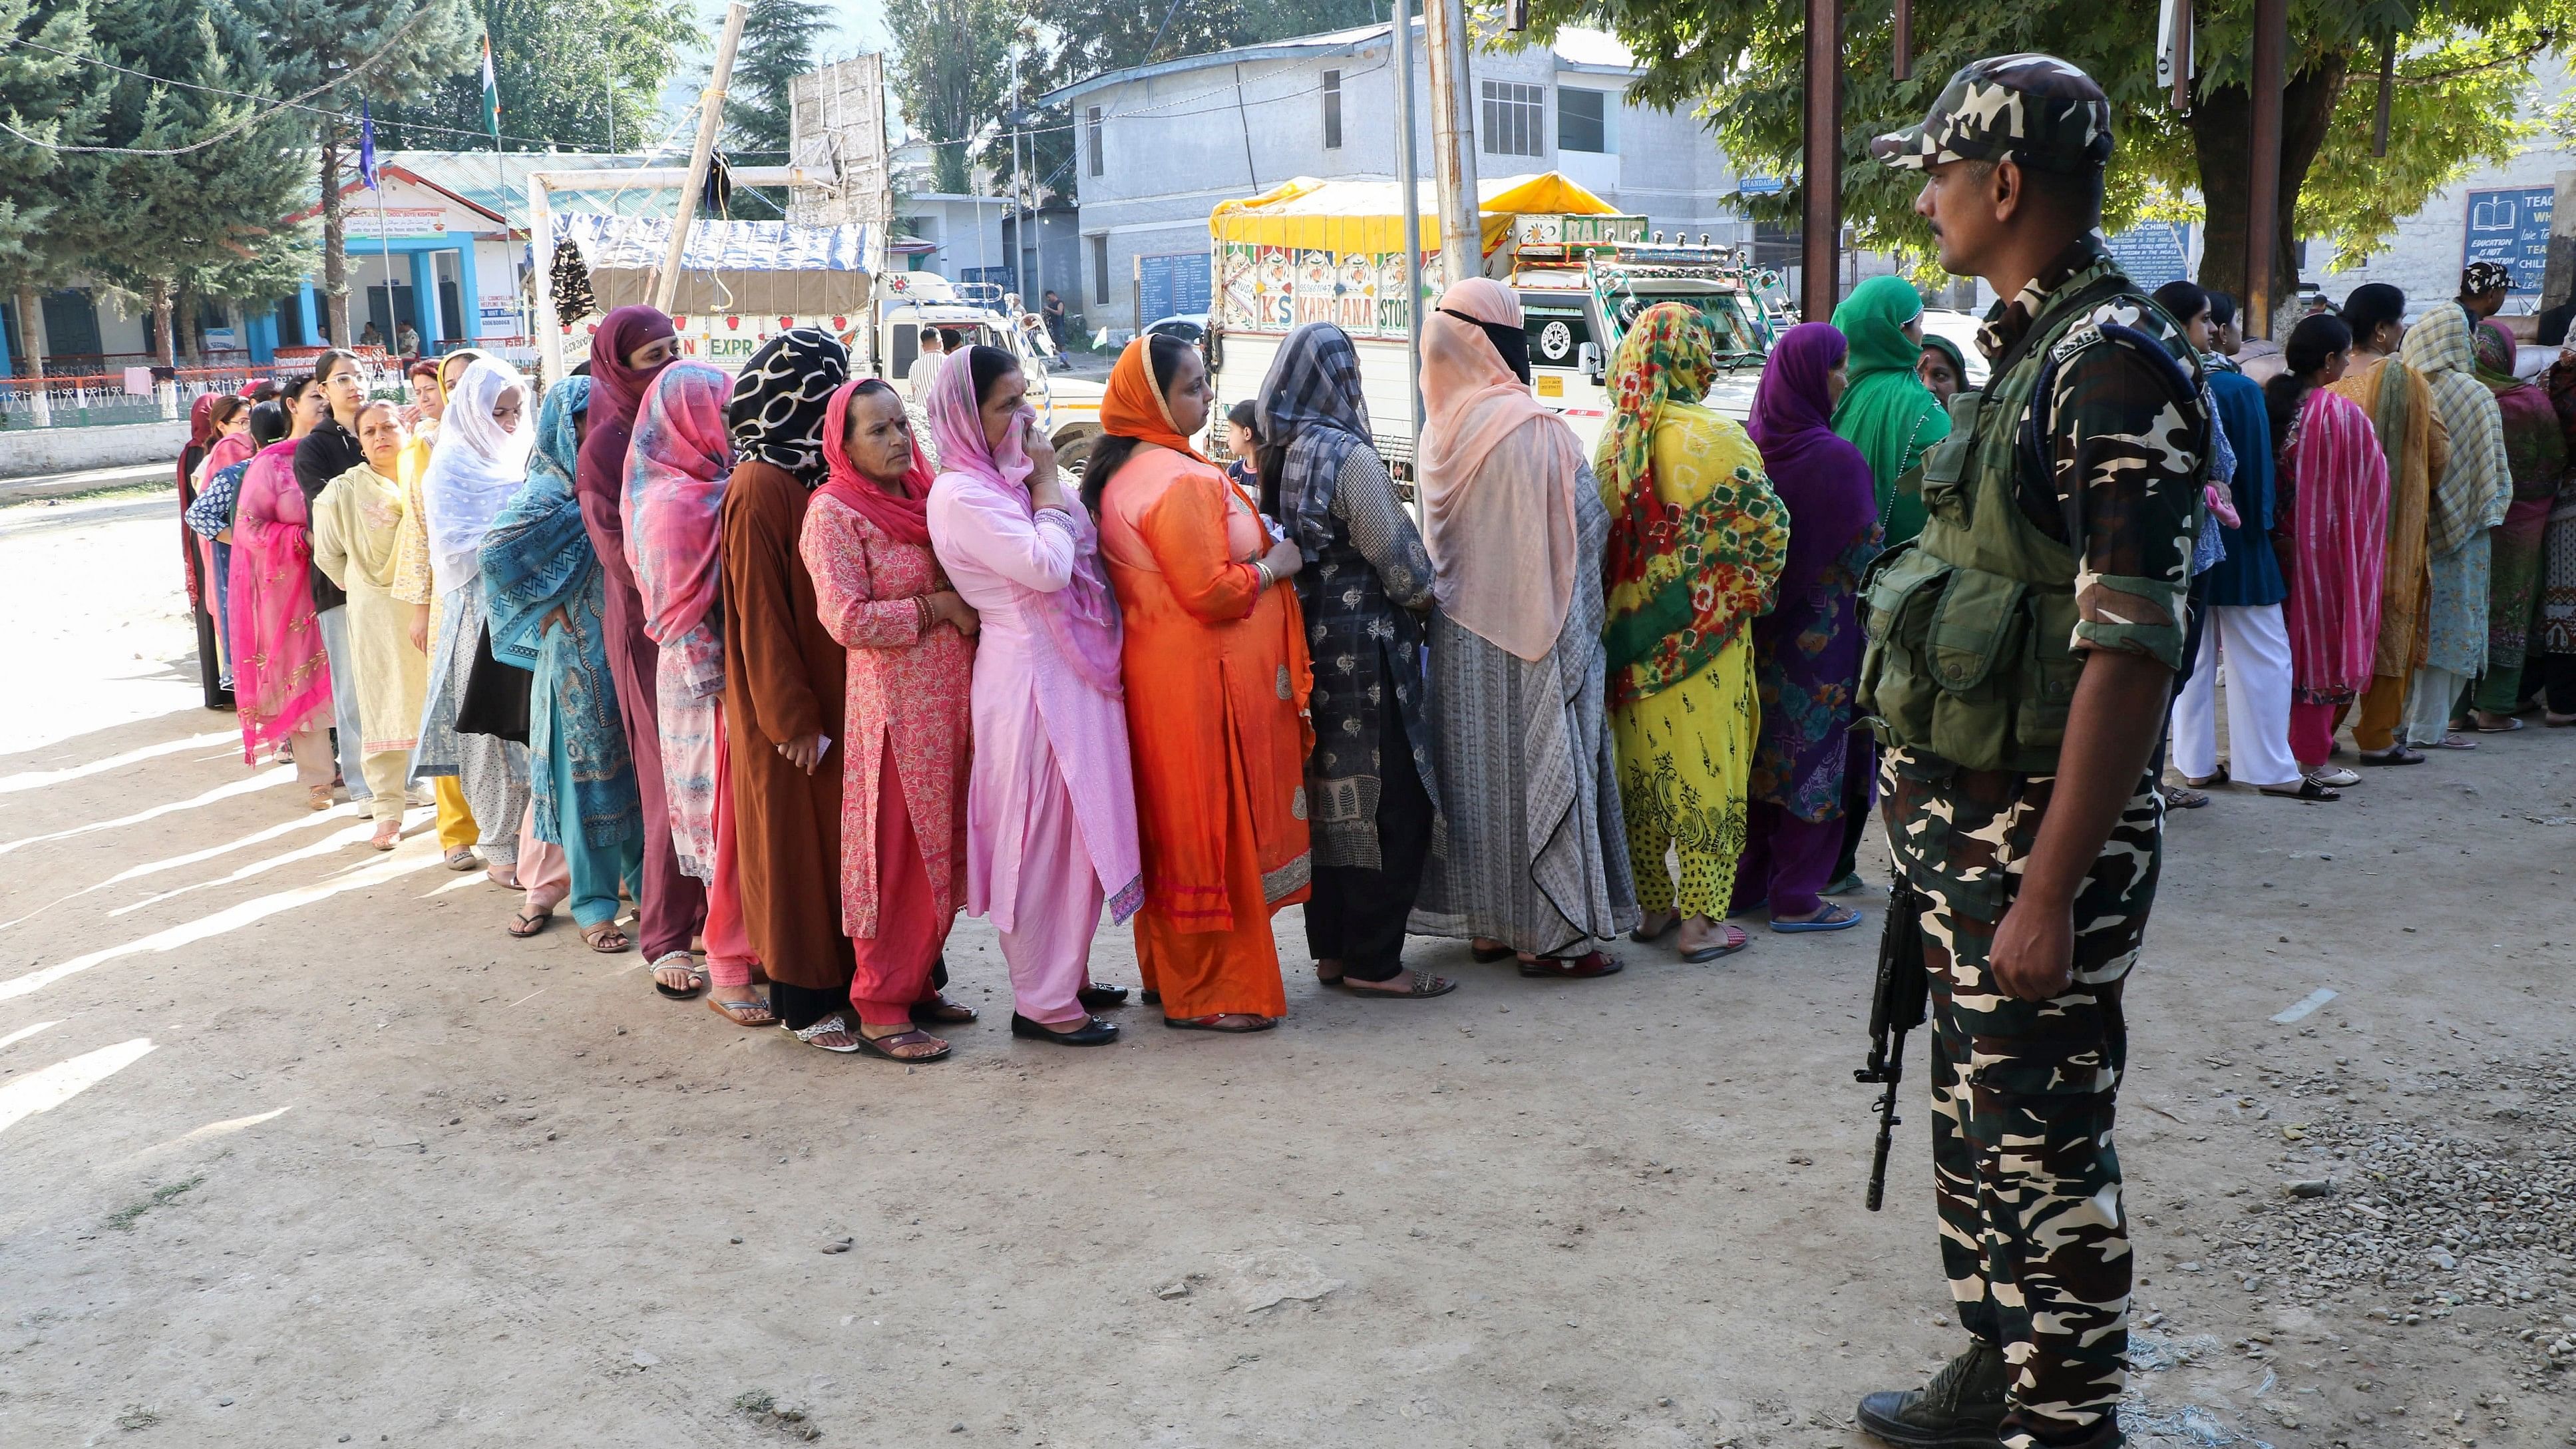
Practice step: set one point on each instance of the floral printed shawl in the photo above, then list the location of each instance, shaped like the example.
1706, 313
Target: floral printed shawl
676, 473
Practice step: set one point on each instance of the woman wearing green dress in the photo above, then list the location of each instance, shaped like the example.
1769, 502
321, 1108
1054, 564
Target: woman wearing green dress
1887, 412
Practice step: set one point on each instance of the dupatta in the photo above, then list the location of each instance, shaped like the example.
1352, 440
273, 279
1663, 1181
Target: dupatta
1886, 411
475, 468
904, 516
676, 473
281, 678
2474, 485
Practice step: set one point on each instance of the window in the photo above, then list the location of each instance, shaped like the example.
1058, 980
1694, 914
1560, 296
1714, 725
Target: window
1332, 110
1579, 120
1091, 122
1100, 269
1514, 115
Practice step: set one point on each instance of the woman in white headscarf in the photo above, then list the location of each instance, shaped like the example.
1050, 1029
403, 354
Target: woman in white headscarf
478, 464
2469, 497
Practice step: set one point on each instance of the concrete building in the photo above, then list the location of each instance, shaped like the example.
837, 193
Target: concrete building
1157, 146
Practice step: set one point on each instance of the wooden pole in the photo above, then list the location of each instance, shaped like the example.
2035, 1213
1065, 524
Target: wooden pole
1904, 39
1820, 251
2263, 201
666, 284
1453, 139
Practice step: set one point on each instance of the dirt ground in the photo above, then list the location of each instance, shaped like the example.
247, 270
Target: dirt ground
297, 1147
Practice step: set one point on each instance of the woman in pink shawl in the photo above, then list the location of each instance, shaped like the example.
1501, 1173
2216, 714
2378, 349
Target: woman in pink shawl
2330, 526
675, 482
281, 678
1051, 805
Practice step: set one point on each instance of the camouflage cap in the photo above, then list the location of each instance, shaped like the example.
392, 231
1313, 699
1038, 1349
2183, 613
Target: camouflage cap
2479, 278
2041, 111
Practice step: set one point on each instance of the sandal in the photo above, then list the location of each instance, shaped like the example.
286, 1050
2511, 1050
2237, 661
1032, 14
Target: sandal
2508, 727
2218, 776
2558, 721
885, 1046
2308, 789
601, 936
462, 858
2393, 755
1644, 937
2451, 742
678, 961
1845, 884
1731, 941
508, 881
1573, 968
528, 923
2180, 797
754, 1012
1422, 987
388, 835
318, 798
1099, 996
831, 1034
938, 1008
1217, 1022
1826, 920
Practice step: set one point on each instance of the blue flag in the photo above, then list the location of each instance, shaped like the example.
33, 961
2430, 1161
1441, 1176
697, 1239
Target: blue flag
367, 145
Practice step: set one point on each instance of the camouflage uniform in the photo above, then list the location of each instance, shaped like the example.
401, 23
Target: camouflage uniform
2033, 1237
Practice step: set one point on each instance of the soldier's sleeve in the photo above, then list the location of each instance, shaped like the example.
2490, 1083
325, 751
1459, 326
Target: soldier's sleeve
2129, 440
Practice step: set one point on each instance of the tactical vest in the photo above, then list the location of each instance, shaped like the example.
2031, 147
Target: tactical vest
1971, 625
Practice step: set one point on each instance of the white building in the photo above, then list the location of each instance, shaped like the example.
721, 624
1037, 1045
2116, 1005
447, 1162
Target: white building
1157, 146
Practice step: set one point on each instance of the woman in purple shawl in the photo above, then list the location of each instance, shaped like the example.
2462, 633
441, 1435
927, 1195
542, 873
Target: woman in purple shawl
1810, 768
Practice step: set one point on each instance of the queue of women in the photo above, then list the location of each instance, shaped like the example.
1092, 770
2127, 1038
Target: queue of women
805, 685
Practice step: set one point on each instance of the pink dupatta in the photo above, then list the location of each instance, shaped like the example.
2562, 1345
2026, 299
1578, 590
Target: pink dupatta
676, 472
281, 678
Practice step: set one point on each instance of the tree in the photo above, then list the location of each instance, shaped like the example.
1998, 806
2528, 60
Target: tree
151, 222
950, 73
1736, 63
578, 74
47, 99
777, 46
404, 46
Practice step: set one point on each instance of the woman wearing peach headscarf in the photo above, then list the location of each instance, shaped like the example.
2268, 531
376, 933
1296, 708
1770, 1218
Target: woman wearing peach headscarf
1537, 858
1217, 679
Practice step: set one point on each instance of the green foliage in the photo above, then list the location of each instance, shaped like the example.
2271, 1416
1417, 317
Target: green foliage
777, 46
1736, 64
950, 72
581, 74
55, 100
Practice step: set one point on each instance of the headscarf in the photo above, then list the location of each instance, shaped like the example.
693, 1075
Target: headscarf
281, 677
228, 449
538, 559
1959, 360
1886, 411
675, 484
903, 517
2474, 486
1824, 478
616, 396
776, 413
201, 436
1081, 617
1312, 409
1683, 577
474, 469
2535, 449
1134, 405
1497, 475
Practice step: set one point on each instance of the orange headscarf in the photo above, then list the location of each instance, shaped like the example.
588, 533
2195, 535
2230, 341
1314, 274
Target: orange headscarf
1133, 407
1497, 472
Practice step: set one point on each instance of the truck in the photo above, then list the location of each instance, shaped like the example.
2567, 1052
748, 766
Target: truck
1311, 251
744, 282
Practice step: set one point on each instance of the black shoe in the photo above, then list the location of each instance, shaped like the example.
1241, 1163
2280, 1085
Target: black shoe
1093, 1032
1100, 996
1962, 1408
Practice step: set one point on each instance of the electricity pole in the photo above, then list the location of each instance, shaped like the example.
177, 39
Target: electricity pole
1453, 139
1821, 223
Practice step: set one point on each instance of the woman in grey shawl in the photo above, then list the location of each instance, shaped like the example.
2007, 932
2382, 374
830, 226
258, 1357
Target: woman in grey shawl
1364, 588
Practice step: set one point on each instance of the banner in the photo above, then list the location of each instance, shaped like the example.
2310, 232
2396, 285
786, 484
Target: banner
395, 222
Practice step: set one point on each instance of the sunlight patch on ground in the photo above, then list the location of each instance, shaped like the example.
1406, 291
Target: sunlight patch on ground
331, 844
45, 1090
24, 1032
39, 779
278, 776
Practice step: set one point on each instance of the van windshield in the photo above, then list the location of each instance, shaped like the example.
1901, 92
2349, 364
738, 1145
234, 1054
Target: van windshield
1736, 332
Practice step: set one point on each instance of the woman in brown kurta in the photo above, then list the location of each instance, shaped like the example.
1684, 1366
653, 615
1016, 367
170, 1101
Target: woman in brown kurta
784, 682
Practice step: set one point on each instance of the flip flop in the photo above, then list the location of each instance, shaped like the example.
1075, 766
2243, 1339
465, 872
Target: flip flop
2451, 742
813, 1035
1423, 987
597, 938
2508, 727
2393, 755
2178, 797
883, 1046
754, 1012
1643, 937
683, 961
1732, 941
2307, 790
1826, 922
525, 924
1211, 1023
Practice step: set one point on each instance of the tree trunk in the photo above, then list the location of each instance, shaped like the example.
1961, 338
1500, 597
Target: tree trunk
31, 332
335, 259
2222, 128
165, 347
183, 311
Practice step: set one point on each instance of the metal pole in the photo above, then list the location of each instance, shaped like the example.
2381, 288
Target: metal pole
666, 285
541, 255
1408, 179
1821, 224
2263, 199
1453, 157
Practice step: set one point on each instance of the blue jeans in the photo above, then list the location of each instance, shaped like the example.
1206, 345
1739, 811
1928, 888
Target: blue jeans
344, 698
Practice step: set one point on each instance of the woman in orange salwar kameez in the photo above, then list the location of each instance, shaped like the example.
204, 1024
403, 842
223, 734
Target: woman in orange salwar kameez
1217, 677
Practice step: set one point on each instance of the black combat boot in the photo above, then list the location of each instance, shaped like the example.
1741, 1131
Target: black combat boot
1962, 1408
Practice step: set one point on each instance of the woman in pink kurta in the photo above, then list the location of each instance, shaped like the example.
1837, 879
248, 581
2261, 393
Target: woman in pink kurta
904, 758
281, 680
2331, 525
1051, 807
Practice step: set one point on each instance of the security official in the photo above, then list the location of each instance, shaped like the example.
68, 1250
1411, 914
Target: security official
2021, 654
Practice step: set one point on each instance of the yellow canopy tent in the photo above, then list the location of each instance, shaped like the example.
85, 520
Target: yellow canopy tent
1368, 216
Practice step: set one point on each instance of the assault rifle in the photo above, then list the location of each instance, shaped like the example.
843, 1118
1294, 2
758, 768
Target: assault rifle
1895, 1008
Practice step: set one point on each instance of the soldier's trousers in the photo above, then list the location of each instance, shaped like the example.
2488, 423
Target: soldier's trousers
2033, 1236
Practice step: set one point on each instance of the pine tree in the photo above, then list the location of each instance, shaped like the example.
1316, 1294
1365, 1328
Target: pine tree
46, 100
406, 46
777, 46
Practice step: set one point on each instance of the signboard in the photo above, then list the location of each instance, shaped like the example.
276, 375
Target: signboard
1760, 185
836, 133
1168, 285
499, 317
2512, 227
2154, 253
1007, 278
395, 222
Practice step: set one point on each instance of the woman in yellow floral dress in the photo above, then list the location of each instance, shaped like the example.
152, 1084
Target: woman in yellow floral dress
1697, 541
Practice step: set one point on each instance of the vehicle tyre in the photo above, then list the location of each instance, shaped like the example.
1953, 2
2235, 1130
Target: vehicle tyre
1072, 446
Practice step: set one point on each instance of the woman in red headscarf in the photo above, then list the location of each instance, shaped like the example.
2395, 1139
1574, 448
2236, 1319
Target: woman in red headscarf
632, 346
1217, 677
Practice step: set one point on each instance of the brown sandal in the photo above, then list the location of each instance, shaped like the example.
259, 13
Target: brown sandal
885, 1046
600, 935
754, 1012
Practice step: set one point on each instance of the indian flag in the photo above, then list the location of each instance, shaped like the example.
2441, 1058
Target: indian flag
491, 91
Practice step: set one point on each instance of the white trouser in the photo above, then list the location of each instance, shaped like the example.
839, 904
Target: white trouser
2256, 650
2429, 702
